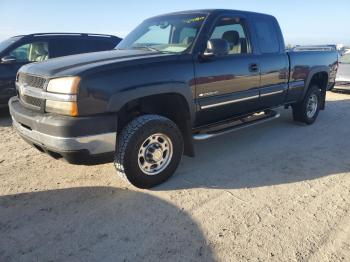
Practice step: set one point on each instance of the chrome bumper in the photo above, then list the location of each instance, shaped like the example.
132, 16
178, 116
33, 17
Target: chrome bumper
95, 144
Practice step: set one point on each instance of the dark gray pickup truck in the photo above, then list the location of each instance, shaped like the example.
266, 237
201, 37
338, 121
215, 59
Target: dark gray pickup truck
174, 79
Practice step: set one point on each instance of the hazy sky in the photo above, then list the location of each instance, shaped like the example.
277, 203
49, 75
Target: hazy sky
302, 21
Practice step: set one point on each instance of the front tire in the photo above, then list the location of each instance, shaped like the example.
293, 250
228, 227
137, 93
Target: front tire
149, 151
307, 110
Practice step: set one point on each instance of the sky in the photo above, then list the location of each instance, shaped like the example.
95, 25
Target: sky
302, 21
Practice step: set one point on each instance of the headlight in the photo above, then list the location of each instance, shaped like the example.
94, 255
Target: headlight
62, 98
64, 108
64, 85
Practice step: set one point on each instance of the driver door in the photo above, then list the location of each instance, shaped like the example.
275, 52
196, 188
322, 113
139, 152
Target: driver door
228, 86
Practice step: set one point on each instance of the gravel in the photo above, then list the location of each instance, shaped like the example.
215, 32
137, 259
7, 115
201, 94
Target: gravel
276, 192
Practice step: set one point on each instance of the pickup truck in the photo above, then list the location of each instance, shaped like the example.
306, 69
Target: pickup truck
176, 78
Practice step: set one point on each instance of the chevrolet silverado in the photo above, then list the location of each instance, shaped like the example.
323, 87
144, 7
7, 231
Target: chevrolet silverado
176, 78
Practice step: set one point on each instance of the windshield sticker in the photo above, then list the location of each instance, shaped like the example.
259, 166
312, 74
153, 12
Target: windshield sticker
194, 20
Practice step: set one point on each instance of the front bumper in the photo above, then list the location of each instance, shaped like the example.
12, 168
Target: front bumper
78, 140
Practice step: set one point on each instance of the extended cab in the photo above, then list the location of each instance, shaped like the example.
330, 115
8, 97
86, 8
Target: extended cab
174, 79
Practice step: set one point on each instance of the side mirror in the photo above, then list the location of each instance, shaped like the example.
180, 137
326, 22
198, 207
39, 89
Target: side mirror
8, 59
217, 47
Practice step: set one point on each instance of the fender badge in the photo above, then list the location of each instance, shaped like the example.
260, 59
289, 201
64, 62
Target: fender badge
209, 94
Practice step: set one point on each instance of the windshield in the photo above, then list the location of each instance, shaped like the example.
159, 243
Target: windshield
6, 43
345, 59
173, 34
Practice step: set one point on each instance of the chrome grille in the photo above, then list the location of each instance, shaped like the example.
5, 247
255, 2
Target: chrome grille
33, 81
36, 102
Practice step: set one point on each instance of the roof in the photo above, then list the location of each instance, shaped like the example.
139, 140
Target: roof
68, 34
210, 11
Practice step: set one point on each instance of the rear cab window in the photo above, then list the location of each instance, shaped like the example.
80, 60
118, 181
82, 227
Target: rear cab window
267, 35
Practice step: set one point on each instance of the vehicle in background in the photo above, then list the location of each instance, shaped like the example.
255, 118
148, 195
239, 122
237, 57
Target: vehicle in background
342, 82
343, 51
176, 78
20, 50
314, 48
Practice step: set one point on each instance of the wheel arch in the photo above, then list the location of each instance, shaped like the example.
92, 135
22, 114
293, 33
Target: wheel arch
320, 77
172, 105
120, 99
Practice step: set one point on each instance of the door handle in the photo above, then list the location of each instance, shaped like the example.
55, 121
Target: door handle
254, 68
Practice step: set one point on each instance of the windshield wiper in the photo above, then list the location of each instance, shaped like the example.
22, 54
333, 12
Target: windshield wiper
152, 48
147, 47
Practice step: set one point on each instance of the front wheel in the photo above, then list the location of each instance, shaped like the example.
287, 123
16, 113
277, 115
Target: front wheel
149, 151
307, 110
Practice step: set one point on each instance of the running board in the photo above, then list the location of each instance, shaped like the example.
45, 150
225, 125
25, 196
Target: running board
236, 125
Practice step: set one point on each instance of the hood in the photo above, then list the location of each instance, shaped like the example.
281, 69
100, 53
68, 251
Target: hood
343, 73
75, 64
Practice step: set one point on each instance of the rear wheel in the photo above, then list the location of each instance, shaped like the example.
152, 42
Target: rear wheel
149, 151
307, 110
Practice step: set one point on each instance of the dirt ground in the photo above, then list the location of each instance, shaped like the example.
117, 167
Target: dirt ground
276, 192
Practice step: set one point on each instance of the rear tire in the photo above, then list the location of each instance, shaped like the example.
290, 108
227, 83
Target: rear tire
307, 110
149, 151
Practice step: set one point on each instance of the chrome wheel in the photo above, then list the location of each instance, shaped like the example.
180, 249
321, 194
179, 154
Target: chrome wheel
155, 154
312, 105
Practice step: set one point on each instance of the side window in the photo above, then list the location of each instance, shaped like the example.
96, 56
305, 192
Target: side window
32, 52
94, 45
187, 35
233, 30
64, 47
267, 35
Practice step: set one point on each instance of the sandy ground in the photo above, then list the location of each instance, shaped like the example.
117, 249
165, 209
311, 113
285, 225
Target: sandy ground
276, 192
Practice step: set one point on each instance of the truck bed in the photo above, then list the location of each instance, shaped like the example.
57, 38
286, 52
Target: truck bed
303, 63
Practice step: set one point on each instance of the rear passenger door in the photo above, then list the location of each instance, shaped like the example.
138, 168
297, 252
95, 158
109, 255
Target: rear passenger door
274, 63
228, 86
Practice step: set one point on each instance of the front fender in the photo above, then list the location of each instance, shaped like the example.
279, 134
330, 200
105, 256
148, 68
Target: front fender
117, 101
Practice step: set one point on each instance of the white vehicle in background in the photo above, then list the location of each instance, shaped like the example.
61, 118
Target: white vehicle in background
342, 81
